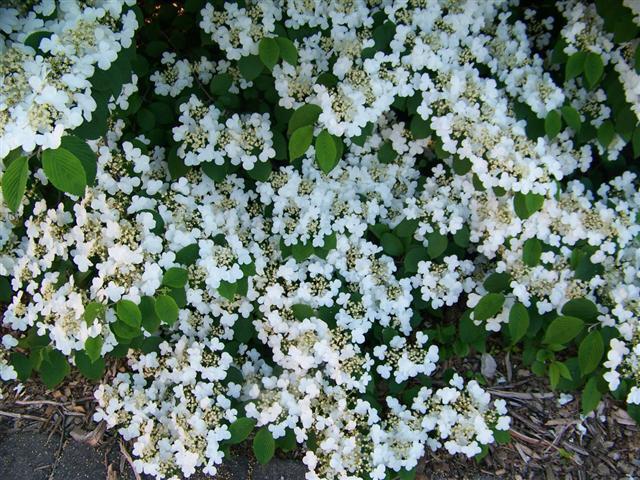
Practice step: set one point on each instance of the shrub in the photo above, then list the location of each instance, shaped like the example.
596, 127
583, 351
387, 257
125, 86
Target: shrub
284, 215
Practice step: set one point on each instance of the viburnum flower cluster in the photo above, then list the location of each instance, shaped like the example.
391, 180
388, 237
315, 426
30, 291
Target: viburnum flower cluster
47, 62
244, 283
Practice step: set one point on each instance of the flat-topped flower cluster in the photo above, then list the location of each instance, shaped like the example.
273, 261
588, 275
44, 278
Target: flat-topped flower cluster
248, 286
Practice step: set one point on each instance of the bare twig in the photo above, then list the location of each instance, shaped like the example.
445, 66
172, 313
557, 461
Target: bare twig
126, 455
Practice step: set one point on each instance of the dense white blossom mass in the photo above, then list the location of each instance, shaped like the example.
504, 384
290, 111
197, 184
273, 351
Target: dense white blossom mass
293, 314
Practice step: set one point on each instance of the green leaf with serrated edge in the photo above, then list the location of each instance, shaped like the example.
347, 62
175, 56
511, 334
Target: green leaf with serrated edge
288, 50
129, 313
241, 429
300, 141
14, 182
563, 329
590, 352
518, 322
93, 347
64, 171
326, 152
175, 277
167, 309
304, 116
264, 446
488, 306
269, 52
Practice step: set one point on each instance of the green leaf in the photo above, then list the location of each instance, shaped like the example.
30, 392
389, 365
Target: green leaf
518, 322
582, 308
129, 313
288, 50
305, 115
414, 257
220, 84
590, 352
166, 309
302, 251
93, 347
92, 369
593, 68
605, 133
83, 152
250, 67
150, 320
54, 368
437, 244
635, 141
146, 119
391, 245
14, 182
461, 237
22, 365
260, 171
269, 52
571, 118
497, 282
563, 329
92, 311
553, 124
264, 446
227, 289
575, 65
241, 429
326, 152
526, 205
531, 252
188, 255
386, 153
64, 171
302, 311
554, 375
34, 39
175, 277
488, 306
300, 142
590, 395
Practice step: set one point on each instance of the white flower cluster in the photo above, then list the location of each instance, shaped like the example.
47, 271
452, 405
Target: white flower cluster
44, 87
293, 315
205, 136
177, 75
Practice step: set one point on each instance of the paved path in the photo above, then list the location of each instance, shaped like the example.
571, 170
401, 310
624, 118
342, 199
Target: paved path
31, 455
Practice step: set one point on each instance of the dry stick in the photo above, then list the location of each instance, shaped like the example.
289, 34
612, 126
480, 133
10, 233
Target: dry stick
23, 416
126, 455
